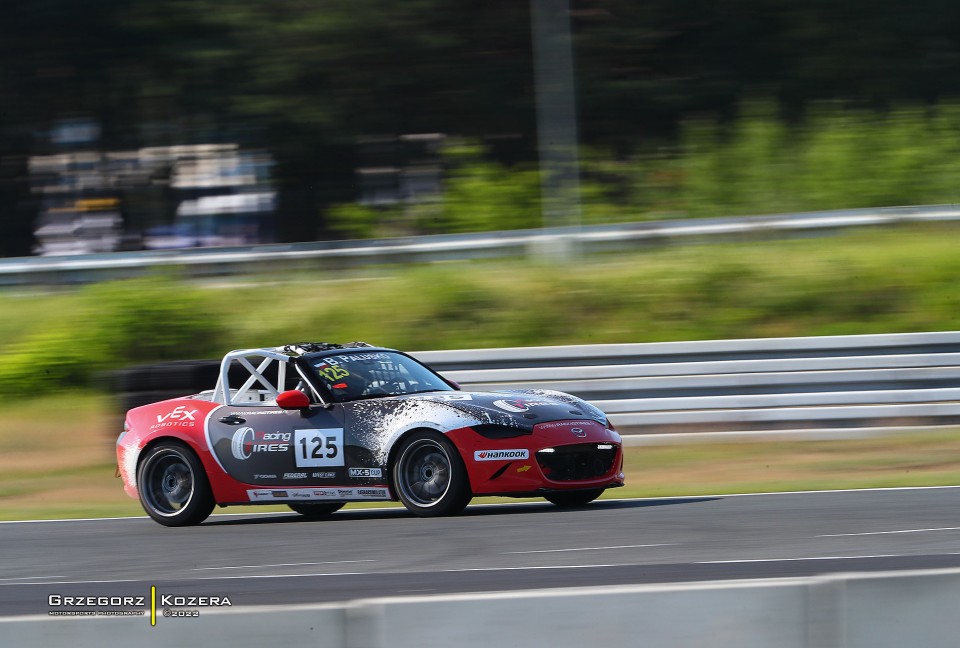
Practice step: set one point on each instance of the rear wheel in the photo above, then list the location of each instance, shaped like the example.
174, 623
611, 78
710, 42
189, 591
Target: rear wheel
173, 486
429, 475
572, 499
315, 511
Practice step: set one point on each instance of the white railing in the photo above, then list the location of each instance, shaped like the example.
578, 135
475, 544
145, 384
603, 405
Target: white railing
851, 382
80, 268
736, 385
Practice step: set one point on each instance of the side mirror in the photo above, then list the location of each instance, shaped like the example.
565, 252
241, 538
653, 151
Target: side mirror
293, 400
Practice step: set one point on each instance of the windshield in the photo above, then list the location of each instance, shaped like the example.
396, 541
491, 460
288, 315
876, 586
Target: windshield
372, 374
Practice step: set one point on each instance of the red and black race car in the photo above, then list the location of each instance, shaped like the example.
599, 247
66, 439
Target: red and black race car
318, 425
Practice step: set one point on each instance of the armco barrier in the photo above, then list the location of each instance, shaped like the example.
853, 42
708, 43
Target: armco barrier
239, 260
803, 383
893, 610
736, 385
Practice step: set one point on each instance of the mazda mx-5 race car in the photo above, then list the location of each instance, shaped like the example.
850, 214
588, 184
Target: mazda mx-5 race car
318, 425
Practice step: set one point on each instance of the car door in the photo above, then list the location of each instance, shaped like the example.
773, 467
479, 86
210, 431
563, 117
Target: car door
267, 445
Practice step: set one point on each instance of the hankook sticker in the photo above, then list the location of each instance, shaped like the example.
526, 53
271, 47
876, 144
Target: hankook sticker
500, 455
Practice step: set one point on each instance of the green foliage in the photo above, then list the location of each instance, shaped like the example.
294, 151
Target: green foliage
884, 281
835, 158
478, 195
481, 195
107, 326
152, 319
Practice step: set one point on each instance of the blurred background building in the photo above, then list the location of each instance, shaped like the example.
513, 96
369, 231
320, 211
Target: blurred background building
201, 195
172, 123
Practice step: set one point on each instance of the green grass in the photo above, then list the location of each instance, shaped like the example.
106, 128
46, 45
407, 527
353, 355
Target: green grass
56, 450
900, 279
897, 280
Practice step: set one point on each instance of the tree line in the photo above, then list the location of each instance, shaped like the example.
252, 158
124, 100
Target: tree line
306, 80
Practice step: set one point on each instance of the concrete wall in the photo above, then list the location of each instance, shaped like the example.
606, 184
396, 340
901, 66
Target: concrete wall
916, 609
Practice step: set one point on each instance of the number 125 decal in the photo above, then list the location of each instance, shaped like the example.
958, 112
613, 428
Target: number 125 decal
321, 447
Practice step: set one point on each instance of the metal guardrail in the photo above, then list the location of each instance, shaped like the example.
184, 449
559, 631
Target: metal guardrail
219, 261
737, 385
806, 383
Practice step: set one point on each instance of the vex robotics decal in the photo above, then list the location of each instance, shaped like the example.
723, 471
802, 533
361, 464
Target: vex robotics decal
178, 416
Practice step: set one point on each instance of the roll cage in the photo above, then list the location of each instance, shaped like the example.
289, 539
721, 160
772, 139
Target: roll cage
256, 388
253, 365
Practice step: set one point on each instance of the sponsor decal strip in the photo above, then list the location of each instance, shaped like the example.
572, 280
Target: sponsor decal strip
336, 494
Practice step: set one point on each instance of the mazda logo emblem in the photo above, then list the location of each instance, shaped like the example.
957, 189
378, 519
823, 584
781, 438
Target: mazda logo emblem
578, 432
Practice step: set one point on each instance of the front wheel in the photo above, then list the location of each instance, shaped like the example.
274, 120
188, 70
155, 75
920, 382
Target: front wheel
315, 511
173, 486
572, 499
430, 477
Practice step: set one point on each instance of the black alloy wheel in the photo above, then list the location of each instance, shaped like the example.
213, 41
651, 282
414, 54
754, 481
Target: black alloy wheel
429, 475
173, 486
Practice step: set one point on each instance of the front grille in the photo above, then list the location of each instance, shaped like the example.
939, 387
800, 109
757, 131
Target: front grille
577, 462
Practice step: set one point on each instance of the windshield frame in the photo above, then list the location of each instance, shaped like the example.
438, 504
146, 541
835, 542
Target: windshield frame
307, 362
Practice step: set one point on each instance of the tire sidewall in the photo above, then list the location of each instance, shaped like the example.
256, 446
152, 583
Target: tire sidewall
457, 495
201, 501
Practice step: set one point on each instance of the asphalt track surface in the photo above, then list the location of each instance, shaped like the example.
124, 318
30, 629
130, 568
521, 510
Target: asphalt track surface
258, 559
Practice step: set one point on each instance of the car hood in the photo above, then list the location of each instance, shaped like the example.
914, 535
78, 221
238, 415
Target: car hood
378, 422
521, 408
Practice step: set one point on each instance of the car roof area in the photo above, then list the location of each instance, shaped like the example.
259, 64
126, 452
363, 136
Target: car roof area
244, 377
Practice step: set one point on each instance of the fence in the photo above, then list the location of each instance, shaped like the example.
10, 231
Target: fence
240, 260
853, 382
762, 384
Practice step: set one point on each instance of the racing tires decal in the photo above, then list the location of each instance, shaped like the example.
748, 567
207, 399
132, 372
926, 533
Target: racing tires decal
572, 499
429, 475
173, 485
315, 511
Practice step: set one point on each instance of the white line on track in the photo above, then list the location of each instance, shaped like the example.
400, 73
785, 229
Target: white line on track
328, 562
262, 576
488, 569
460, 570
29, 578
512, 504
768, 560
535, 551
841, 535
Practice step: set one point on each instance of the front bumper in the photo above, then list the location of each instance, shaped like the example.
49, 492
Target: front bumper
556, 456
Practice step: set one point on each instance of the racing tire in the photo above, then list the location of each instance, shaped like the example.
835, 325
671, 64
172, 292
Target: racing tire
173, 486
429, 476
574, 499
316, 511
